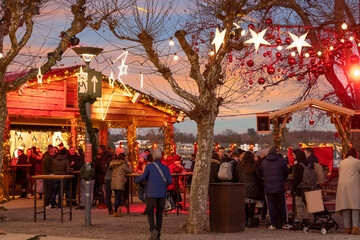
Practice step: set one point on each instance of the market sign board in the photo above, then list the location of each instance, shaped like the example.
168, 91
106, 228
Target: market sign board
89, 83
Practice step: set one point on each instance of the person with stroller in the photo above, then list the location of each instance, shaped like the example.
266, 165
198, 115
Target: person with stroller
348, 192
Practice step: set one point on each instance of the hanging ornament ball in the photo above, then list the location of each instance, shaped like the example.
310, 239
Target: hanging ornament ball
250, 63
312, 61
230, 59
300, 78
278, 41
291, 61
268, 53
354, 59
287, 40
261, 81
311, 122
196, 43
314, 69
251, 26
301, 61
321, 70
212, 33
324, 42
348, 44
341, 45
193, 36
278, 55
291, 75
311, 52
327, 64
265, 54
247, 53
268, 21
243, 64
270, 70
251, 82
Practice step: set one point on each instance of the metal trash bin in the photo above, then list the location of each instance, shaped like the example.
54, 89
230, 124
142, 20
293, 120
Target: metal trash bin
227, 207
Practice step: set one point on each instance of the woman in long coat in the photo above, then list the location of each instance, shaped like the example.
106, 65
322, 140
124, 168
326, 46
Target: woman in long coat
348, 191
118, 180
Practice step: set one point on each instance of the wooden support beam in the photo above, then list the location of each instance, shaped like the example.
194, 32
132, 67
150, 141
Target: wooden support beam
131, 143
169, 138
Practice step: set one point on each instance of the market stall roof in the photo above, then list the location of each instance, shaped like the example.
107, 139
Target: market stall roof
315, 104
54, 102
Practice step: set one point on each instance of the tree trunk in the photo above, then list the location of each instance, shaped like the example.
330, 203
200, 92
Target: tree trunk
197, 219
3, 115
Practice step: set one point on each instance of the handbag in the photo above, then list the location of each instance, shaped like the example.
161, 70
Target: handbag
169, 202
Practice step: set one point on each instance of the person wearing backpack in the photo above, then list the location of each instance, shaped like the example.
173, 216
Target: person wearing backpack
310, 157
227, 170
302, 178
214, 168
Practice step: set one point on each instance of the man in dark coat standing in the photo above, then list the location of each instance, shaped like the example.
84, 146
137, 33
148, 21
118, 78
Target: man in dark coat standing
275, 171
76, 162
155, 191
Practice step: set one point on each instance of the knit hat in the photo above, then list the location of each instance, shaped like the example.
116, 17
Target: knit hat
143, 155
62, 151
119, 150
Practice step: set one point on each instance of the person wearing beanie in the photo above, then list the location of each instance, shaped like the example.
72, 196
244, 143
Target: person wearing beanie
61, 166
157, 177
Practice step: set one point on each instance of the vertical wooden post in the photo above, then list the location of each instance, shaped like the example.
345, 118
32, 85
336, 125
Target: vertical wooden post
73, 132
277, 136
131, 143
169, 138
6, 159
103, 134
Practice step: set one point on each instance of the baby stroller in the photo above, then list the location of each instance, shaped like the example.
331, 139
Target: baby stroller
323, 220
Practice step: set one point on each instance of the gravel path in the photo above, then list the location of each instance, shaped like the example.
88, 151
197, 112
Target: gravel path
133, 226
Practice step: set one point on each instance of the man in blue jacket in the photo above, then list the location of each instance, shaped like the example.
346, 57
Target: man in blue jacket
155, 192
275, 171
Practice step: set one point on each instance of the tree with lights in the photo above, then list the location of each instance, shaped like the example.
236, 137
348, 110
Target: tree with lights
17, 22
206, 47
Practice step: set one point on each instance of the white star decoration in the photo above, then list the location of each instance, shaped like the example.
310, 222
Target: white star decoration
257, 39
39, 76
299, 42
82, 80
122, 67
219, 39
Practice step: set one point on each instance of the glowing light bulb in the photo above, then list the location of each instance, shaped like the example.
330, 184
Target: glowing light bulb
176, 57
171, 42
356, 73
351, 38
358, 44
319, 53
342, 40
1, 55
307, 55
293, 54
212, 53
344, 26
243, 32
331, 48
279, 48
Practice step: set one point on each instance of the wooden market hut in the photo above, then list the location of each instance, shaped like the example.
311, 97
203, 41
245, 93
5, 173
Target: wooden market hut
53, 104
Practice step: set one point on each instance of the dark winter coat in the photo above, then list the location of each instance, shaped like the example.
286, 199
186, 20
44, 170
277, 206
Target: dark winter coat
312, 159
47, 163
155, 186
61, 165
77, 161
101, 164
252, 183
21, 172
298, 176
274, 171
214, 170
32, 161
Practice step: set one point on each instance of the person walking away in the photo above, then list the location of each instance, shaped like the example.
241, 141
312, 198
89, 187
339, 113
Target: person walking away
118, 179
248, 173
275, 172
21, 173
61, 166
298, 190
348, 192
103, 159
47, 169
76, 163
155, 175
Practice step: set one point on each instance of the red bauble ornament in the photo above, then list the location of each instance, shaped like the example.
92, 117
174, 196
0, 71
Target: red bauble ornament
265, 54
311, 52
251, 82
311, 122
193, 36
230, 59
212, 33
300, 78
243, 64
314, 69
261, 81
348, 44
250, 63
196, 43
278, 41
291, 74
268, 53
278, 55
287, 40
301, 61
354, 59
251, 26
328, 65
291, 61
312, 61
270, 70
321, 70
247, 53
268, 21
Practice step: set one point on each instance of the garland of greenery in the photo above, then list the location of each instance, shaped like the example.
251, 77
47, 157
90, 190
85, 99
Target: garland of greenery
88, 174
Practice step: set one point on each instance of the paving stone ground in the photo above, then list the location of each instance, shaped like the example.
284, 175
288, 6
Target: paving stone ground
21, 226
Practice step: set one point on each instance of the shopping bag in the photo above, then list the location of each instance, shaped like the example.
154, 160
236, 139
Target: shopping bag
39, 186
314, 201
169, 203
